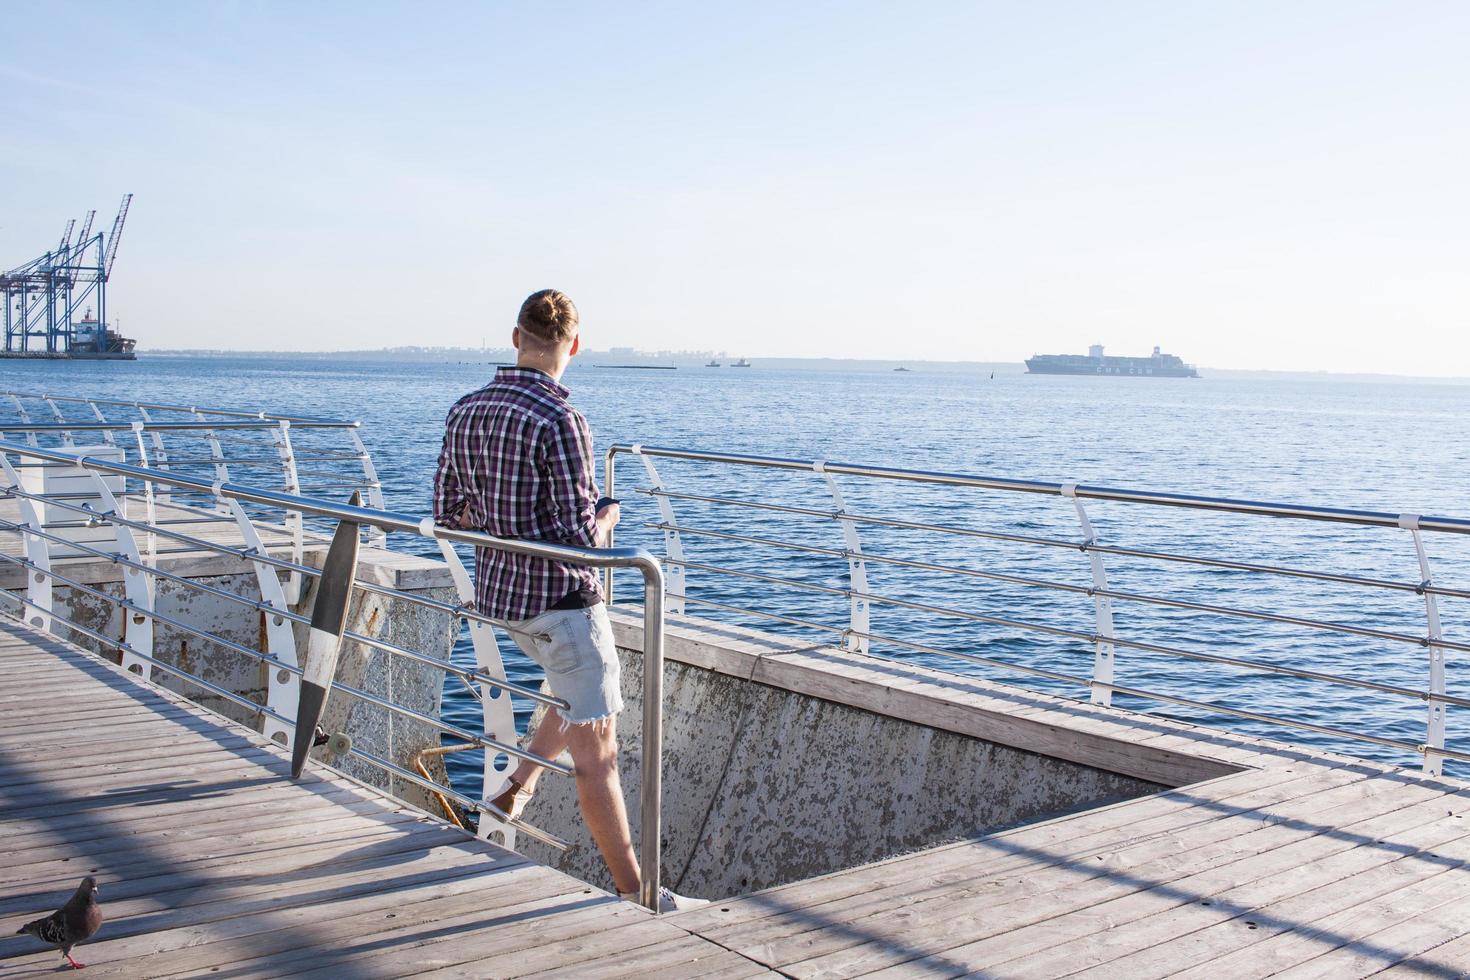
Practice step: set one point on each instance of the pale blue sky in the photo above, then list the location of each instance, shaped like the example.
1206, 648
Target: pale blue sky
1251, 184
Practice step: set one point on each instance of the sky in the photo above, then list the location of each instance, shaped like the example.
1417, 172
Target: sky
1267, 184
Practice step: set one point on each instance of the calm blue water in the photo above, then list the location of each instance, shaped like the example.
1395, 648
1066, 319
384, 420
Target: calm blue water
1395, 447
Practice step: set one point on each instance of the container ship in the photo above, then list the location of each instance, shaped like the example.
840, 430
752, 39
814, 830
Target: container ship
1158, 365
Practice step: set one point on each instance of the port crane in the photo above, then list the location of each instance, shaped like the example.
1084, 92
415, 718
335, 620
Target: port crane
48, 301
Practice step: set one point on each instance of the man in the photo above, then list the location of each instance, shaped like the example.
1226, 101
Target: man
517, 463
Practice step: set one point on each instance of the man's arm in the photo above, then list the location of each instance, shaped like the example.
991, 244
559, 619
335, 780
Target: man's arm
449, 498
568, 466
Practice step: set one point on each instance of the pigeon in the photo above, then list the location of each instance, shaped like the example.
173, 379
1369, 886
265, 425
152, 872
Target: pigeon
76, 921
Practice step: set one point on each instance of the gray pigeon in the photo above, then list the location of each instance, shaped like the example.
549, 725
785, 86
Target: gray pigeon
76, 921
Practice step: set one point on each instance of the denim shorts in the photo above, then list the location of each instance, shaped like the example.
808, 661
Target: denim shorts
575, 648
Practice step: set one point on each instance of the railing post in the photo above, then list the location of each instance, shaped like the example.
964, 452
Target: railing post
137, 615
148, 496
66, 439
38, 553
283, 688
673, 547
375, 535
857, 568
1435, 717
160, 454
20, 409
221, 471
281, 435
499, 713
650, 834
106, 433
609, 487
1102, 658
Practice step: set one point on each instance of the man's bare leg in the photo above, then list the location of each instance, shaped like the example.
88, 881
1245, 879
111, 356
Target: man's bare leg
549, 742
594, 749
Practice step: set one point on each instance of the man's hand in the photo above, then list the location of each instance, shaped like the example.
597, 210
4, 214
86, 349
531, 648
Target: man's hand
607, 519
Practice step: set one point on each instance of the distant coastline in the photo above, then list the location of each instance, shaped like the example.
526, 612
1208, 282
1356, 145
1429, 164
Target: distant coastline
498, 356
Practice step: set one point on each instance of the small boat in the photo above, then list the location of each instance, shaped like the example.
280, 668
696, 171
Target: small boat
713, 364
904, 369
741, 363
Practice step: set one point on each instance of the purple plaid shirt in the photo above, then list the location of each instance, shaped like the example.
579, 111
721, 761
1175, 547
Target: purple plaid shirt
517, 460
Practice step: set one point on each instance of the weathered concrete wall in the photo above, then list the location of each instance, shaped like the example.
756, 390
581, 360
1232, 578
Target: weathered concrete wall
764, 785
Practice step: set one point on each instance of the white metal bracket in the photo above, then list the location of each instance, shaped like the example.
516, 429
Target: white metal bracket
500, 722
148, 494
857, 567
66, 439
160, 454
221, 471
38, 553
1435, 719
137, 615
20, 409
1102, 658
281, 435
374, 488
676, 581
106, 434
283, 688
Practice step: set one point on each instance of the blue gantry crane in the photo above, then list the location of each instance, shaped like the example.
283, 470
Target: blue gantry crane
50, 300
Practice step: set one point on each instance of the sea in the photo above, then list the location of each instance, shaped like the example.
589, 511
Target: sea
990, 585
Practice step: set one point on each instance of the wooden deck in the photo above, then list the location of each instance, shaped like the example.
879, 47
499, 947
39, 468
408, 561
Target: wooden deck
213, 863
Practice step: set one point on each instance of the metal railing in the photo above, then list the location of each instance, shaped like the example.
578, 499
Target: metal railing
308, 455
1101, 635
106, 529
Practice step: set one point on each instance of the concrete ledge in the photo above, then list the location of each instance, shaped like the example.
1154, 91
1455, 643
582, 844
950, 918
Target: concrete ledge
1051, 726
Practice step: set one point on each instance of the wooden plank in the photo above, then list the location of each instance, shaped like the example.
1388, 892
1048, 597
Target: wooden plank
125, 856
686, 956
735, 969
138, 865
1451, 959
145, 892
99, 791
1290, 932
32, 730
45, 770
569, 938
1067, 941
880, 932
18, 834
96, 799
254, 891
292, 934
126, 741
1421, 940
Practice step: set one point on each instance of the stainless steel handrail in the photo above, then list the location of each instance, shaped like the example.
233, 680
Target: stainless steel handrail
1066, 587
162, 407
1104, 637
1366, 518
41, 428
1200, 560
213, 425
603, 558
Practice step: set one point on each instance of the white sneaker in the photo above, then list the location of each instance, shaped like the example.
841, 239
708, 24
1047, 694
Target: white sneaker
668, 901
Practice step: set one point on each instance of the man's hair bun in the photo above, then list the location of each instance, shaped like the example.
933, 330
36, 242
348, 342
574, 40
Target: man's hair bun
549, 316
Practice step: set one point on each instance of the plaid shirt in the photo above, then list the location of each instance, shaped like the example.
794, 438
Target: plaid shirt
517, 460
